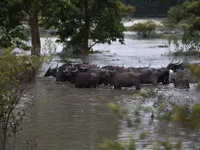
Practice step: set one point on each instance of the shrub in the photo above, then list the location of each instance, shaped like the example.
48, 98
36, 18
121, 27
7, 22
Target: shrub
144, 29
14, 70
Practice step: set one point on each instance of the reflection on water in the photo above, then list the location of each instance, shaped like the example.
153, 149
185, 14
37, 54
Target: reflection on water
64, 117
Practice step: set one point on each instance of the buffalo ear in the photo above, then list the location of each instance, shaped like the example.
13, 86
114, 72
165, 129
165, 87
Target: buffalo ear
74, 71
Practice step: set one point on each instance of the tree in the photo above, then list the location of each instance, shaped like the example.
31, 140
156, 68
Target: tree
103, 17
32, 9
187, 16
11, 24
127, 10
15, 17
86, 31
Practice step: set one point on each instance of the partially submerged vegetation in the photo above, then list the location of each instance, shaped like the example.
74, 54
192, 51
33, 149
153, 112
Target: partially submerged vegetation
194, 53
186, 115
144, 29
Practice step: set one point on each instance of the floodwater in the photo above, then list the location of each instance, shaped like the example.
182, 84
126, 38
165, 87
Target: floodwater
65, 118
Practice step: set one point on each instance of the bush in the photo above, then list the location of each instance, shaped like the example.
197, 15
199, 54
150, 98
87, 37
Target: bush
186, 16
144, 29
14, 70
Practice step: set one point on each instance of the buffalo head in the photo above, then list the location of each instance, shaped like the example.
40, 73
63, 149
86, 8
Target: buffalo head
175, 66
51, 72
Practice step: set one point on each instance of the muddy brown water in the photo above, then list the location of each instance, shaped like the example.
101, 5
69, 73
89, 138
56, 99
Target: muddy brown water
66, 118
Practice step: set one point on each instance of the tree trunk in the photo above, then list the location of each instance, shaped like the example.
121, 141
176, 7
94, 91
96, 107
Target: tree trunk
35, 34
86, 34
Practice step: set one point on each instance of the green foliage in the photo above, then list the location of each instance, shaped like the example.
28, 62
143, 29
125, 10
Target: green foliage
179, 114
12, 30
15, 74
187, 116
195, 71
186, 53
110, 145
187, 16
143, 135
127, 10
146, 93
167, 145
132, 145
144, 29
104, 19
113, 145
49, 47
117, 110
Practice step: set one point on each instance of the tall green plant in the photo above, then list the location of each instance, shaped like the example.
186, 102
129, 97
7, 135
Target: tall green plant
187, 16
15, 74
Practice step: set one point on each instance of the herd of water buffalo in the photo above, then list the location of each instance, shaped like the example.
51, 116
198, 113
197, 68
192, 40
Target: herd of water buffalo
86, 76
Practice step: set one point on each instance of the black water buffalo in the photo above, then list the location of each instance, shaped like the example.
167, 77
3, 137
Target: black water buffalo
84, 79
125, 79
104, 76
176, 66
115, 68
51, 72
149, 76
163, 75
111, 68
62, 72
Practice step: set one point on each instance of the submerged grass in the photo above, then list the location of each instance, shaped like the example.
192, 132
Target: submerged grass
119, 112
195, 53
97, 51
146, 93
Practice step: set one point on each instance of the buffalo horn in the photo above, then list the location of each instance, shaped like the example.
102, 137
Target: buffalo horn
50, 66
75, 70
56, 66
148, 66
178, 62
172, 60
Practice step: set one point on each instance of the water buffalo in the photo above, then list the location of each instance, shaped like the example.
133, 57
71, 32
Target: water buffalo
51, 72
62, 72
84, 79
163, 75
111, 68
115, 68
125, 79
175, 66
149, 76
104, 76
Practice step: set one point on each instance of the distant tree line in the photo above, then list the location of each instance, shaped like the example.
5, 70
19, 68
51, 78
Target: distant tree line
152, 8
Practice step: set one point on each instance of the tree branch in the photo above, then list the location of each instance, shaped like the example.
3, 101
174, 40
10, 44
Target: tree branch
92, 45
